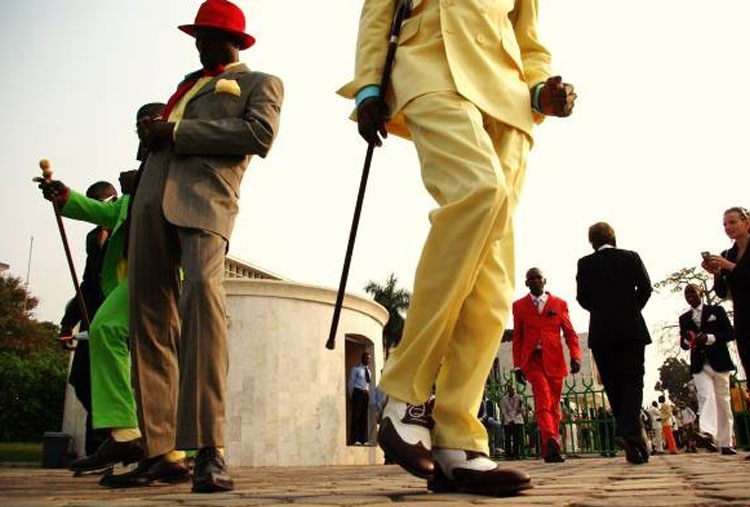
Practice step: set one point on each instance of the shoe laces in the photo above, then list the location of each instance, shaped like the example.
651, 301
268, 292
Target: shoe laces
420, 415
209, 455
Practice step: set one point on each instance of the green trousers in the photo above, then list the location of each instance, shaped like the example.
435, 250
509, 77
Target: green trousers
112, 397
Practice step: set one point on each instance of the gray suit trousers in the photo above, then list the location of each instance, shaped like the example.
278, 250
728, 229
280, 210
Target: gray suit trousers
178, 326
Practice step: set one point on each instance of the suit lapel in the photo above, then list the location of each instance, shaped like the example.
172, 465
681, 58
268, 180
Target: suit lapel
232, 73
704, 318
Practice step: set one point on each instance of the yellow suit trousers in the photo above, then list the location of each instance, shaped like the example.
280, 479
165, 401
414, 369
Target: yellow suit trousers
473, 166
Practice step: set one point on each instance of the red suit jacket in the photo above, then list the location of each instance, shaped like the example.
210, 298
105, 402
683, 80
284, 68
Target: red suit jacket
529, 326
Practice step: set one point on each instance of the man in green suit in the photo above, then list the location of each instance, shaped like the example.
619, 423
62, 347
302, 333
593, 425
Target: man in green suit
113, 402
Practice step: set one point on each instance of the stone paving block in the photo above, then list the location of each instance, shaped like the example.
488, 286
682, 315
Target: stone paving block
529, 500
342, 500
231, 502
433, 498
179, 497
651, 501
730, 494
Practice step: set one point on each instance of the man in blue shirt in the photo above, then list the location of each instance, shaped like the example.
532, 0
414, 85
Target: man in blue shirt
359, 392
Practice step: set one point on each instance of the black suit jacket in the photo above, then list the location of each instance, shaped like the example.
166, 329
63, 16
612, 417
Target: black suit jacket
613, 285
714, 321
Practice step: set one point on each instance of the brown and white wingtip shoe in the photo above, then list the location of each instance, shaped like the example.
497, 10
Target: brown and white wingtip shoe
404, 436
474, 473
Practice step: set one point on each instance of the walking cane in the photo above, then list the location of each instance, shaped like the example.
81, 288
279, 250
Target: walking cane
402, 12
47, 176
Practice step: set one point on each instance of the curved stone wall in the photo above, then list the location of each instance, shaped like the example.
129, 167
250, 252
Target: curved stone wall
286, 391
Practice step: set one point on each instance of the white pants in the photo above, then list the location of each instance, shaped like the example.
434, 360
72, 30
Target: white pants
714, 404
657, 440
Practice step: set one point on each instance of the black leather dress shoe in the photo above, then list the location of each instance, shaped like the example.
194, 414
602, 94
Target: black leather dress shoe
474, 473
728, 451
109, 454
635, 448
210, 474
553, 452
147, 472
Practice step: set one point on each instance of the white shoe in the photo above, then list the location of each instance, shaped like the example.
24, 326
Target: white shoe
404, 436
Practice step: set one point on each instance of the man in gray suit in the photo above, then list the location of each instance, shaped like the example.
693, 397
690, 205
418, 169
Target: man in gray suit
183, 216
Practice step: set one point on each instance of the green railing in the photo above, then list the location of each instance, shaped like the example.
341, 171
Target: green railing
586, 425
741, 411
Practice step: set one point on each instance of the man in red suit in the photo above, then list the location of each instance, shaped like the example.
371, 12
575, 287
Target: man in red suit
538, 355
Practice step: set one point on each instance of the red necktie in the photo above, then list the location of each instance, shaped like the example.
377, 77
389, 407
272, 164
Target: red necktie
184, 88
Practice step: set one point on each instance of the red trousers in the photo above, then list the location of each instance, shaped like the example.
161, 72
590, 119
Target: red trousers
669, 438
546, 399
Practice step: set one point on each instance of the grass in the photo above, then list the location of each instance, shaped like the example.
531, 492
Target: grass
21, 451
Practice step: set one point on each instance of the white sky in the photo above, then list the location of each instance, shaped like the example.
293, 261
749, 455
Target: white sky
657, 145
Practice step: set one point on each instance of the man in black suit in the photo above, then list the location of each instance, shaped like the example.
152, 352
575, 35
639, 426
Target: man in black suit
613, 286
705, 330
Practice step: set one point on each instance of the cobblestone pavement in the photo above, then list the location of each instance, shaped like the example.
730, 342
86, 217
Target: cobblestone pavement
683, 480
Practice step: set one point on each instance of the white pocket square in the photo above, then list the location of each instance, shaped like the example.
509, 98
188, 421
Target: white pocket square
711, 318
229, 86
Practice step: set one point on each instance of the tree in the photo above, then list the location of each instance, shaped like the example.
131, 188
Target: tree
33, 367
19, 331
667, 338
674, 376
395, 301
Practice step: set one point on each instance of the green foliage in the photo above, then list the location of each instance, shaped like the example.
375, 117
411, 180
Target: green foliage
33, 367
30, 452
395, 301
31, 400
674, 376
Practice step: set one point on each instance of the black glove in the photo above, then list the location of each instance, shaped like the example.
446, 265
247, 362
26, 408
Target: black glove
520, 377
575, 366
372, 113
54, 190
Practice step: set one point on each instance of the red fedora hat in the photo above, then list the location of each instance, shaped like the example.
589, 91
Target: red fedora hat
222, 15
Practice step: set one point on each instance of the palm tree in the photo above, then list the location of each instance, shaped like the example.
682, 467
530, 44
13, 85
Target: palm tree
395, 301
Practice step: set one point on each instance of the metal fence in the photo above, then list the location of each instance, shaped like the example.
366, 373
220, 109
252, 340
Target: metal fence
586, 422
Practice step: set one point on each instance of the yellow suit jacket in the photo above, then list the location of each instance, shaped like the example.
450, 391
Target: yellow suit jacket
486, 50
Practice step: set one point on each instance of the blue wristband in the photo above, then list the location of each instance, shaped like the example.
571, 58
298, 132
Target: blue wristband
535, 98
366, 93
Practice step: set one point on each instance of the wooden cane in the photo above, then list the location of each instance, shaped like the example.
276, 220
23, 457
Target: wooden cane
402, 12
47, 175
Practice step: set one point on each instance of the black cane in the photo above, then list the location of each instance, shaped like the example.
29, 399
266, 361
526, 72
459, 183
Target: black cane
402, 12
47, 175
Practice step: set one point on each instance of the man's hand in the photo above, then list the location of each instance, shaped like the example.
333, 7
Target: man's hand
66, 339
701, 339
372, 113
53, 190
575, 366
520, 377
155, 134
557, 98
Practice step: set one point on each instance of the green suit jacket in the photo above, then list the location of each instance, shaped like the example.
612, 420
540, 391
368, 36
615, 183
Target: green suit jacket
105, 214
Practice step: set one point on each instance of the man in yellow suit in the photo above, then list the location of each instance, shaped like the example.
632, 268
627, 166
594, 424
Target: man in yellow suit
469, 81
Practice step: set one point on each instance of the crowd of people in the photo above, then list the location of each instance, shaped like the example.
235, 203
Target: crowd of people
614, 286
469, 83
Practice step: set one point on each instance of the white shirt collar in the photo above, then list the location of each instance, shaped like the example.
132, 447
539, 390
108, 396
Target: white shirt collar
603, 247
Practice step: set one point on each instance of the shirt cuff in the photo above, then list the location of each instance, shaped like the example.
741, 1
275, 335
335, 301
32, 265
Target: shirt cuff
535, 92
366, 93
710, 339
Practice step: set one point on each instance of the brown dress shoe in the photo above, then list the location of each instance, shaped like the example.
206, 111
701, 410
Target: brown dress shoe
110, 453
147, 472
474, 473
404, 436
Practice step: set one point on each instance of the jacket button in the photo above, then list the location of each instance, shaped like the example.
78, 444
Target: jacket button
481, 39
